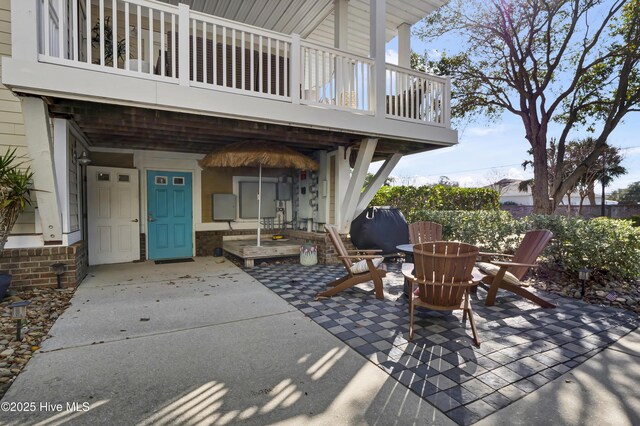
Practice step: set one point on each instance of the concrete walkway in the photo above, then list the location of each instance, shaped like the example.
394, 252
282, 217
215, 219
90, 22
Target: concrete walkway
197, 343
204, 343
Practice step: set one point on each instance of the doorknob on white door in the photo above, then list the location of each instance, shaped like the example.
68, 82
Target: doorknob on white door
134, 220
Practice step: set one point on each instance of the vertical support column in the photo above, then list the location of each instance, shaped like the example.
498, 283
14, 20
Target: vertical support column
24, 29
446, 103
340, 23
183, 43
296, 69
323, 200
341, 177
39, 140
61, 157
404, 45
352, 196
340, 41
377, 23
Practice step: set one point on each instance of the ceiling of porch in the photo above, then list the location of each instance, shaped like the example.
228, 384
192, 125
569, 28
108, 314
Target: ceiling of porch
313, 19
127, 127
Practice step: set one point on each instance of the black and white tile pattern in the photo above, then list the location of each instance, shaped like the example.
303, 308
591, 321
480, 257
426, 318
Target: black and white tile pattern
522, 346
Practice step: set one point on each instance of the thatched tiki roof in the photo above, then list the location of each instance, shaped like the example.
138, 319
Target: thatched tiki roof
254, 153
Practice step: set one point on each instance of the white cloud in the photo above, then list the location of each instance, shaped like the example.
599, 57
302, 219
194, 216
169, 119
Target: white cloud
391, 56
628, 152
515, 173
485, 131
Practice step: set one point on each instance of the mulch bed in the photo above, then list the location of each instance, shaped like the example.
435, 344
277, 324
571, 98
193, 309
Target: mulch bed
46, 306
600, 288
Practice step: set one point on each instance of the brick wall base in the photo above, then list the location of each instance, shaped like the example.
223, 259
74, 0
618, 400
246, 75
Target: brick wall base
31, 267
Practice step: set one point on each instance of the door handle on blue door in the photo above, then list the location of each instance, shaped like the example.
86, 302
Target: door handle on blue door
151, 219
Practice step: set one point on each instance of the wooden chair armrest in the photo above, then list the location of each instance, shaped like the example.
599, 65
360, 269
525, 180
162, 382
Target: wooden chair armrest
509, 264
484, 254
364, 251
359, 256
407, 271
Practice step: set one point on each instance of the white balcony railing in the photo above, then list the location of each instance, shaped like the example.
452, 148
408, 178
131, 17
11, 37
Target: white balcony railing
416, 96
157, 41
337, 79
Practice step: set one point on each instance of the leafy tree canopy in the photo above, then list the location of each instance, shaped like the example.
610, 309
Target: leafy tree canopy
575, 62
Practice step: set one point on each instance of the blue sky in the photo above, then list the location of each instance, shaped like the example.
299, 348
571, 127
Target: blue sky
498, 148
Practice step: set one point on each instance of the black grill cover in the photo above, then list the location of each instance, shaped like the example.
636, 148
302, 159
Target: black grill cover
381, 228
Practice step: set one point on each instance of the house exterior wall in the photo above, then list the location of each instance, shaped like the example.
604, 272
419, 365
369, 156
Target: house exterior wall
219, 180
11, 120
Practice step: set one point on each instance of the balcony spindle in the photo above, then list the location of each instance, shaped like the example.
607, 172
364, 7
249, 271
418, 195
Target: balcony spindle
204, 53
127, 48
114, 39
101, 11
139, 41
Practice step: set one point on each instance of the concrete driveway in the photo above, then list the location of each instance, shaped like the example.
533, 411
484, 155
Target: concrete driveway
199, 343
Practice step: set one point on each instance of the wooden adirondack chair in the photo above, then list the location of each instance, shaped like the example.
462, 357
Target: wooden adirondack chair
424, 232
356, 273
507, 274
443, 275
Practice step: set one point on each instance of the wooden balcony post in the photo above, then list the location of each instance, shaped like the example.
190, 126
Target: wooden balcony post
377, 22
404, 45
183, 44
446, 103
24, 28
296, 69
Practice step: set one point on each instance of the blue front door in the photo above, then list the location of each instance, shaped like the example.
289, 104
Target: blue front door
169, 215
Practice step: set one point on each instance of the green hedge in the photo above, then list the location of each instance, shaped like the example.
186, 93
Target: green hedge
491, 230
600, 244
411, 200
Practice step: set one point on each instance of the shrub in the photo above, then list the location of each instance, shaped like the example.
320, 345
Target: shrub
635, 220
410, 199
491, 230
601, 244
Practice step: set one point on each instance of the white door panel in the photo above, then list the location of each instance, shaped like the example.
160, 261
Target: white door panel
113, 209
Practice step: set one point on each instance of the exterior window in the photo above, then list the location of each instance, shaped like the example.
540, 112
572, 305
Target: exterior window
161, 180
123, 178
104, 177
178, 181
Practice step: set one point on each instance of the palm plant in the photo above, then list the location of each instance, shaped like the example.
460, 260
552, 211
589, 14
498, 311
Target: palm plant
15, 192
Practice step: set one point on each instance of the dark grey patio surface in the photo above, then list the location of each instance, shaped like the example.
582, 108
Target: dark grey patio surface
523, 346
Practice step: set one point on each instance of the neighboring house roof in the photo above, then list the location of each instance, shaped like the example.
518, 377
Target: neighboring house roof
313, 19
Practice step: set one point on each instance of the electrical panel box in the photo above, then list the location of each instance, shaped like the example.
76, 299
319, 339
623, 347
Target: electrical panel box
284, 191
305, 210
224, 206
249, 200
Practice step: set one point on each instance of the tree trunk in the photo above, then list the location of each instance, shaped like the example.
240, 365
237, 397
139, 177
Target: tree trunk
580, 206
592, 194
540, 190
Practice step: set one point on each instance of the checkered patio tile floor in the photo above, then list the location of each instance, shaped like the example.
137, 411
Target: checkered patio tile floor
522, 346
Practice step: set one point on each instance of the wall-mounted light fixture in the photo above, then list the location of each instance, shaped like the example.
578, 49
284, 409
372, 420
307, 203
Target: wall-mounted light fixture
84, 159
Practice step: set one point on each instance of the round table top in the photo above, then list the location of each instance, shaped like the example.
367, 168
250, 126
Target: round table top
405, 248
477, 275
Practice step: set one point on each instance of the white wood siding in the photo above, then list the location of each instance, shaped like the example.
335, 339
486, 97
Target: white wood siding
11, 122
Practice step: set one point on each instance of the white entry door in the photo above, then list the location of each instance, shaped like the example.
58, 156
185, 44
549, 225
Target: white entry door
113, 209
